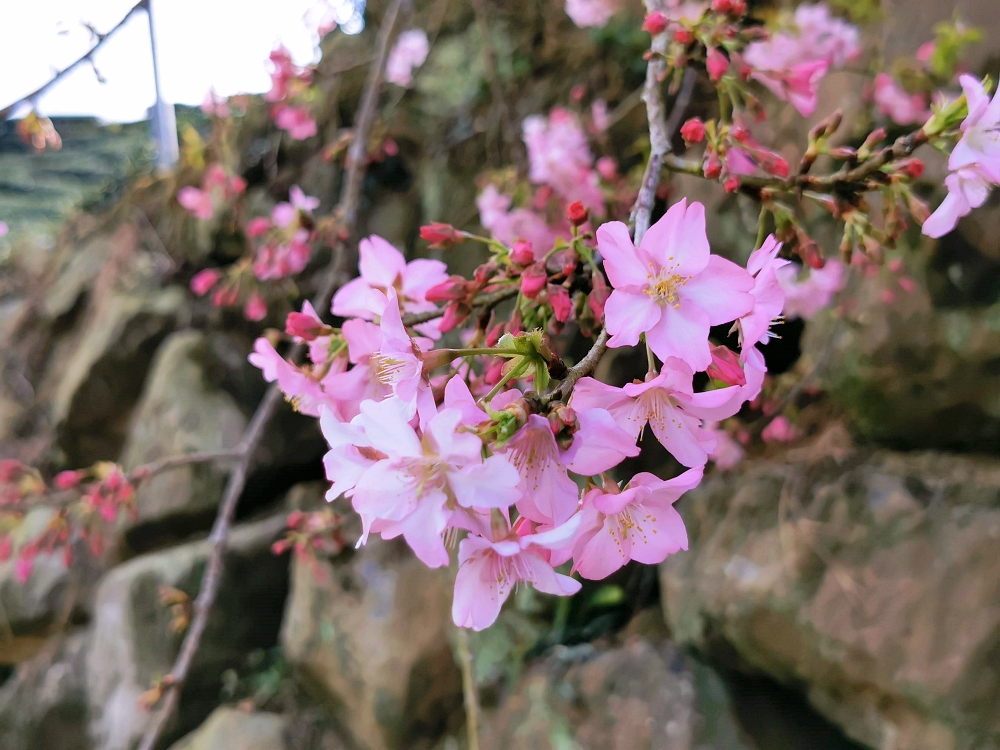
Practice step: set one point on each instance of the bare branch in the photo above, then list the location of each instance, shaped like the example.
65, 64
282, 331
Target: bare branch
87, 57
212, 580
584, 367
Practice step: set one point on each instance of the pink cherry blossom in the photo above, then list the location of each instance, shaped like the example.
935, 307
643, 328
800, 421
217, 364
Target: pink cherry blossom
297, 121
826, 37
897, 104
638, 523
768, 295
284, 258
668, 403
283, 73
423, 479
591, 13
407, 54
671, 287
728, 453
362, 382
510, 225
805, 298
559, 156
203, 281
489, 570
350, 454
383, 268
215, 105
255, 308
548, 495
305, 393
398, 364
968, 188
780, 430
198, 202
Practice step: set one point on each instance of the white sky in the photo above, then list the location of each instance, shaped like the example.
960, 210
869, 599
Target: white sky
201, 43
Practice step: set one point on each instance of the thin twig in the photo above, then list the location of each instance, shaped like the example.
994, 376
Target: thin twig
468, 689
485, 301
489, 62
584, 367
862, 177
212, 580
101, 39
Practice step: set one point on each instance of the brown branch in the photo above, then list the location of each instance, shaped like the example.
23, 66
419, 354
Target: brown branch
485, 301
212, 579
858, 178
88, 56
584, 367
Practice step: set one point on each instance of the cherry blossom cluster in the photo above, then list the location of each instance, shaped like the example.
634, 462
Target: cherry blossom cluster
291, 96
432, 443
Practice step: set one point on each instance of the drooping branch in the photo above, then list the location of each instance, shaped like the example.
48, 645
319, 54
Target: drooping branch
212, 580
87, 57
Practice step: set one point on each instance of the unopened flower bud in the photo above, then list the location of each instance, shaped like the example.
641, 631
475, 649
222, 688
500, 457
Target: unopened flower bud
203, 281
441, 236
693, 131
655, 23
533, 280
66, 480
522, 253
452, 289
683, 36
302, 326
577, 213
716, 63
726, 366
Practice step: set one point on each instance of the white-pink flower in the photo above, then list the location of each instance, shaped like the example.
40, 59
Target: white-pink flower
897, 104
975, 160
420, 480
769, 297
592, 13
559, 156
671, 287
669, 405
547, 494
510, 225
383, 268
638, 523
407, 54
489, 570
804, 298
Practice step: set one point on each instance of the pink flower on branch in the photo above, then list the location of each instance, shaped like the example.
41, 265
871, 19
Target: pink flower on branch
668, 404
638, 523
407, 54
671, 287
489, 570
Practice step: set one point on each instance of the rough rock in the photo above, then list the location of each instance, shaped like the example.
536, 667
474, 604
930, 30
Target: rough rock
232, 728
133, 645
44, 704
908, 374
368, 636
870, 584
641, 694
181, 412
101, 378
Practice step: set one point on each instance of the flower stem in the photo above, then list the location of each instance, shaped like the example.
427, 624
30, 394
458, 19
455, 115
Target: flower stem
761, 226
650, 358
515, 373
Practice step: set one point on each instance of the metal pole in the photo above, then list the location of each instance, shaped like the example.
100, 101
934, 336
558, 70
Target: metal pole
165, 124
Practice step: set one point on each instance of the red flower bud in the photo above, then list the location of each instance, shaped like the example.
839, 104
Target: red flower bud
912, 167
562, 307
258, 226
256, 307
655, 23
441, 236
452, 289
683, 36
722, 6
522, 253
726, 366
576, 213
599, 296
67, 480
693, 131
454, 315
302, 326
533, 280
717, 64
732, 184
203, 281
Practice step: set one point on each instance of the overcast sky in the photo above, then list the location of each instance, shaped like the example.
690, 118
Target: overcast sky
201, 43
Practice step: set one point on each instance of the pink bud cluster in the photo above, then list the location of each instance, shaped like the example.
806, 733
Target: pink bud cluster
291, 108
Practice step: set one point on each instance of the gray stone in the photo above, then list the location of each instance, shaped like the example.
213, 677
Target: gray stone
636, 695
181, 412
43, 706
871, 584
910, 375
100, 379
240, 730
133, 645
368, 636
